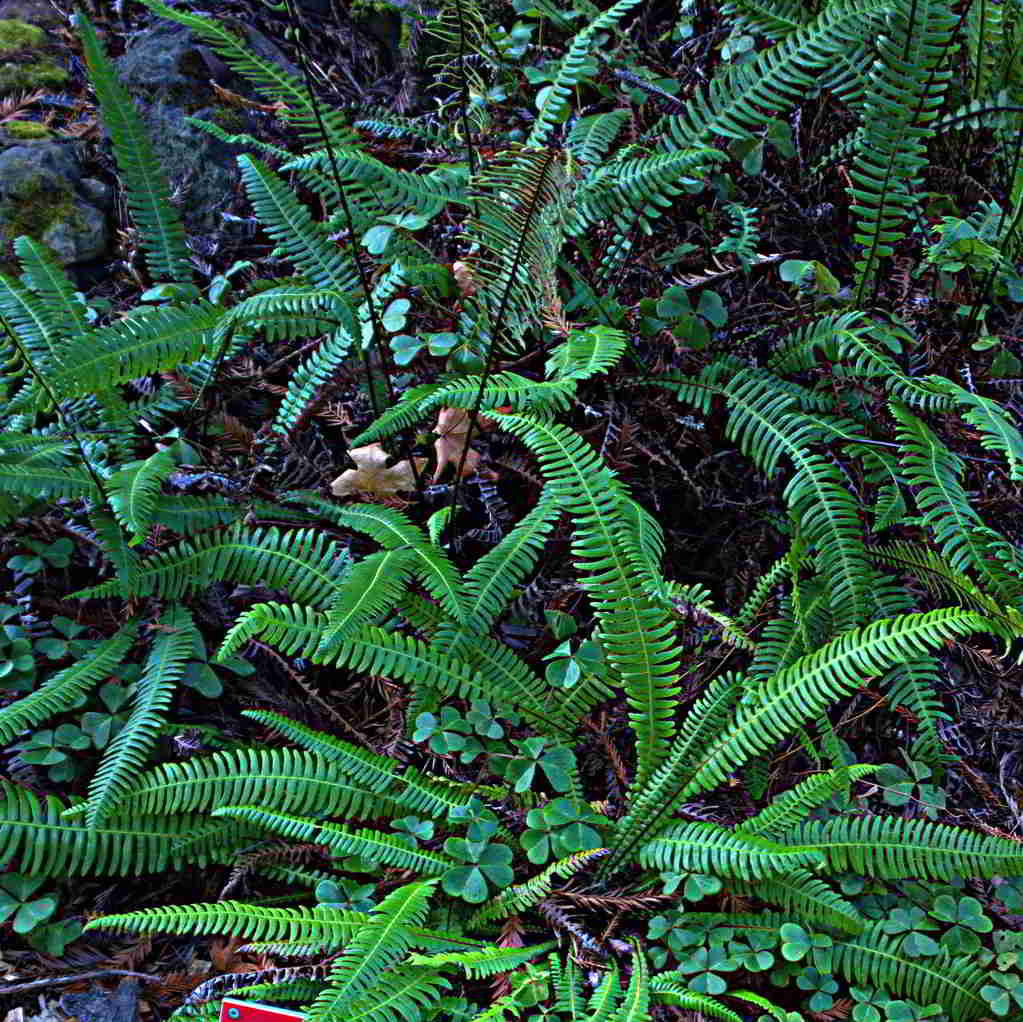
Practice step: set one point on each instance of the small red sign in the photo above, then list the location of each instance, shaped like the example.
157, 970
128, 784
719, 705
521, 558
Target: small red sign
249, 1011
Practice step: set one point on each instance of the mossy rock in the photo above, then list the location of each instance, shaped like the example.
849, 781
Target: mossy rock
24, 63
42, 196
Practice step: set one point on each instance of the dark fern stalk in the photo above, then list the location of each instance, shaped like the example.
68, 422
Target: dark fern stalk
346, 210
498, 324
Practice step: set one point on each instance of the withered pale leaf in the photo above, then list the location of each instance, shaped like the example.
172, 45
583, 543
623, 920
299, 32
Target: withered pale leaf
373, 477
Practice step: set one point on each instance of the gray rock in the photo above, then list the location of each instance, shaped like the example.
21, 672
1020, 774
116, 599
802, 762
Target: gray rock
42, 195
35, 12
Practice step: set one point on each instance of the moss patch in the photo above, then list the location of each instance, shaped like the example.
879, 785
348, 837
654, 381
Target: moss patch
19, 35
17, 40
34, 211
26, 129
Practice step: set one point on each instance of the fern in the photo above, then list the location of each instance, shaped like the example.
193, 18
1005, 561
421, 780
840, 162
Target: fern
146, 189
133, 491
127, 751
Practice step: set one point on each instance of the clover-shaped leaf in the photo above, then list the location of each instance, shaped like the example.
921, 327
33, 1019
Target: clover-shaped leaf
1004, 988
964, 912
913, 922
482, 720
483, 862
704, 964
482, 823
556, 763
446, 734
869, 1004
822, 985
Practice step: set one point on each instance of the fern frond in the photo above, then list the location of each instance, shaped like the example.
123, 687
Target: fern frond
374, 585
330, 927
893, 848
803, 691
133, 489
392, 530
301, 239
667, 988
699, 847
806, 896
637, 636
873, 959
481, 964
35, 839
376, 948
124, 757
60, 691
47, 280
305, 563
571, 70
524, 896
274, 82
145, 184
658, 799
291, 780
488, 585
795, 805
147, 341
379, 774
404, 992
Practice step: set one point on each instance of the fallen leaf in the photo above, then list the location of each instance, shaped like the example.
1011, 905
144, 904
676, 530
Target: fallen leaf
373, 477
452, 429
464, 278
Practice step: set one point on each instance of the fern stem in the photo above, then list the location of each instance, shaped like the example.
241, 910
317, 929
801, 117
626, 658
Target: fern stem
350, 223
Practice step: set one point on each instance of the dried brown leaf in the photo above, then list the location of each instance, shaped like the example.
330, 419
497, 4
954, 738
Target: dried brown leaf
372, 477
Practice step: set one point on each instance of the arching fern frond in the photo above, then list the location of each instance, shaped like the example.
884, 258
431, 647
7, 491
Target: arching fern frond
60, 691
124, 757
304, 563
145, 184
134, 488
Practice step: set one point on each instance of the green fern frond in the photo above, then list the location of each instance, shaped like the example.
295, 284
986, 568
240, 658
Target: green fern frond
990, 419
404, 992
699, 847
376, 948
145, 184
291, 780
323, 925
383, 776
53, 482
807, 897
524, 896
586, 353
35, 839
795, 805
427, 193
482, 964
274, 82
936, 472
667, 988
392, 529
488, 585
305, 563
133, 489
371, 844
873, 959
61, 691
571, 70
46, 279
893, 848
301, 239
185, 513
591, 138
801, 692
374, 585
124, 757
636, 635
147, 341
